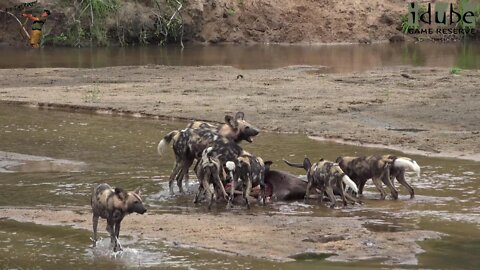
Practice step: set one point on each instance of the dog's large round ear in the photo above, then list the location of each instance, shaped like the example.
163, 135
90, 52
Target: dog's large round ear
138, 191
267, 164
239, 115
120, 192
230, 121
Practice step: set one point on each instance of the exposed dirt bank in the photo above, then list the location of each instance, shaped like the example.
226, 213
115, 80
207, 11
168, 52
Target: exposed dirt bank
293, 21
238, 21
274, 238
415, 109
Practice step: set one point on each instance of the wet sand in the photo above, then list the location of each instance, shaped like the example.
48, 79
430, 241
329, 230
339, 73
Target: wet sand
15, 162
418, 110
270, 237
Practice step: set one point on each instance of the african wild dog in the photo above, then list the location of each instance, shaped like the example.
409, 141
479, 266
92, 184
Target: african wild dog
210, 171
397, 171
379, 169
327, 177
251, 171
234, 128
113, 205
189, 143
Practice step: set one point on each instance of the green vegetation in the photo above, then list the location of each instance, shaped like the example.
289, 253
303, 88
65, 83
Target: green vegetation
455, 70
461, 24
122, 22
406, 27
404, 21
230, 11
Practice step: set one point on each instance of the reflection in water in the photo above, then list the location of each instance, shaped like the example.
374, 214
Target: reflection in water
337, 58
122, 151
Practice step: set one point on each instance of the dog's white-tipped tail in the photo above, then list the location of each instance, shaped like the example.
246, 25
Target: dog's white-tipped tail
162, 145
350, 183
406, 163
230, 165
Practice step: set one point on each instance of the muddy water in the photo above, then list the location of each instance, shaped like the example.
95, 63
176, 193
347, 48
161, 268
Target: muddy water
122, 151
335, 58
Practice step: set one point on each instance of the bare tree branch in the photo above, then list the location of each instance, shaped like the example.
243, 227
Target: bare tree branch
19, 22
175, 13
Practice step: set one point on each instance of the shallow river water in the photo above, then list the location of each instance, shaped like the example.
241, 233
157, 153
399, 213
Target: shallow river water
122, 151
335, 58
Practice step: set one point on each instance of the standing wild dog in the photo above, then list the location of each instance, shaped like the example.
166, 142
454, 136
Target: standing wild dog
327, 177
379, 169
251, 171
189, 143
113, 205
234, 128
397, 171
210, 171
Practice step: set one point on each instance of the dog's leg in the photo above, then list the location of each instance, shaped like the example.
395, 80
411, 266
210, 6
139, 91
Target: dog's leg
361, 186
185, 169
309, 186
176, 169
110, 230
352, 199
208, 191
218, 178
262, 185
331, 195
339, 184
117, 247
95, 225
386, 180
232, 190
212, 198
401, 179
179, 179
321, 194
200, 190
378, 185
246, 191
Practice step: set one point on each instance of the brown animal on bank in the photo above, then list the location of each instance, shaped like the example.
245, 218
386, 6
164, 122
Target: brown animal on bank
210, 171
113, 204
251, 171
379, 169
189, 143
327, 177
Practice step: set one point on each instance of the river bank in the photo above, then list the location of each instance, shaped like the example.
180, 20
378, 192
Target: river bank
425, 110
